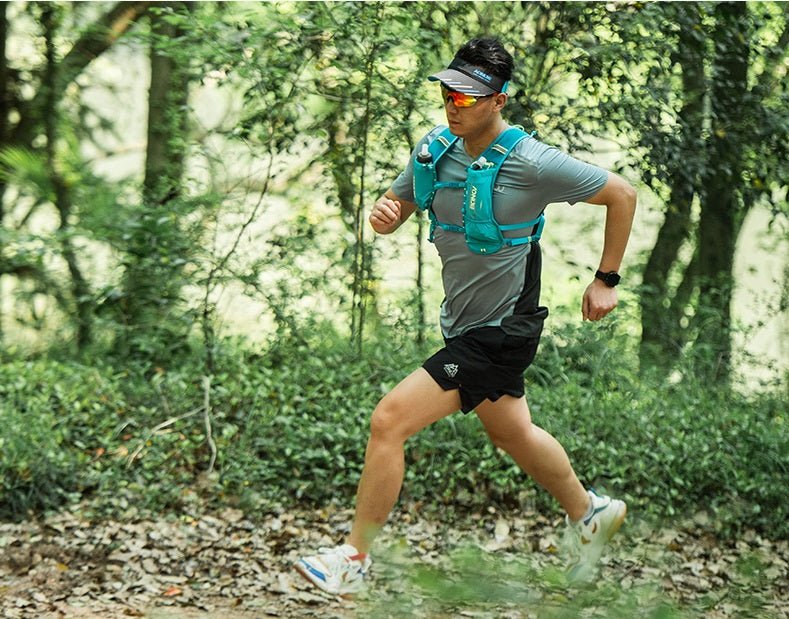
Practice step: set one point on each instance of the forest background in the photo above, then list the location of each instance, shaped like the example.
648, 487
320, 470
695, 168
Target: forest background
193, 307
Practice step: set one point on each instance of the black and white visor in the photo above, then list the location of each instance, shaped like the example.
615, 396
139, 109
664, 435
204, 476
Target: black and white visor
469, 79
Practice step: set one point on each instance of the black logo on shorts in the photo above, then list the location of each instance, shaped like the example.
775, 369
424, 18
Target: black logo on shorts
451, 369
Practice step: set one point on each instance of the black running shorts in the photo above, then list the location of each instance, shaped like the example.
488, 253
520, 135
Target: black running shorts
484, 364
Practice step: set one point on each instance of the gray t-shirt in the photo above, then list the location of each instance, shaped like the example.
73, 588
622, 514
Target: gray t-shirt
489, 290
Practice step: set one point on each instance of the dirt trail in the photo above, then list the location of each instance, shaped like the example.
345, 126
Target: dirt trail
224, 565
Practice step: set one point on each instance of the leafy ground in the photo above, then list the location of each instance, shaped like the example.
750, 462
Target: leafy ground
491, 564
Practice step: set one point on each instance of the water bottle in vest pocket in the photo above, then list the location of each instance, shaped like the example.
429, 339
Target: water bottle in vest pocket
483, 235
424, 178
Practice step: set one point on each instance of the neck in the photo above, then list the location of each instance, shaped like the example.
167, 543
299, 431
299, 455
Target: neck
476, 144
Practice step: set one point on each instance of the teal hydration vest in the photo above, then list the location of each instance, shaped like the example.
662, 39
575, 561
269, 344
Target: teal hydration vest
484, 235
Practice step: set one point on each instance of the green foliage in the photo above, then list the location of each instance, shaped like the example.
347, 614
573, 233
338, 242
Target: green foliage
27, 169
667, 446
39, 468
326, 100
701, 102
476, 582
470, 580
290, 423
332, 95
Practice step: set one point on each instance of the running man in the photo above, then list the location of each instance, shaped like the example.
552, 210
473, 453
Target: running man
490, 318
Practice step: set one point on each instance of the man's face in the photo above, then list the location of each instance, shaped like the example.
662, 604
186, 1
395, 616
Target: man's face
468, 120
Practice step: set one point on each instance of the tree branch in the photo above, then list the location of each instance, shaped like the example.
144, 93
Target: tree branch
209, 434
96, 40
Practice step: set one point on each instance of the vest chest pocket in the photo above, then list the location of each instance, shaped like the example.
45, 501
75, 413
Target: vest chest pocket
483, 235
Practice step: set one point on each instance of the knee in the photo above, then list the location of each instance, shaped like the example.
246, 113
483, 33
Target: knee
387, 422
508, 440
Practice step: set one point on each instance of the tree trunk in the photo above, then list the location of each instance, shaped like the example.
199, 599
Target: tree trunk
419, 280
421, 318
363, 260
81, 294
167, 100
152, 281
660, 319
720, 213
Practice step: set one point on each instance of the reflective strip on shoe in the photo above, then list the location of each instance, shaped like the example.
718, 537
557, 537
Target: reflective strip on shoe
312, 570
596, 511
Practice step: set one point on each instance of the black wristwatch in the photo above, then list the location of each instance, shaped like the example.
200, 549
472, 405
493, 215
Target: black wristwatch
610, 279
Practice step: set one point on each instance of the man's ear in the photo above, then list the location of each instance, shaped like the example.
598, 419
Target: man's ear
501, 100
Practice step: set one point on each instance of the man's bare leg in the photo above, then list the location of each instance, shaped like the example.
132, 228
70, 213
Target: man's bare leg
508, 423
412, 405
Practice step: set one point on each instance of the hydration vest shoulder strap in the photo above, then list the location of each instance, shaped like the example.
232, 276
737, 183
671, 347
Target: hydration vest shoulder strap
441, 144
425, 175
500, 149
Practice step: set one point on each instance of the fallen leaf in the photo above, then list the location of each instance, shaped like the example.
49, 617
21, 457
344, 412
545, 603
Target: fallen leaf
502, 531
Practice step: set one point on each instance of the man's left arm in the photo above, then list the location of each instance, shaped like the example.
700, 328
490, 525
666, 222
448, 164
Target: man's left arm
619, 198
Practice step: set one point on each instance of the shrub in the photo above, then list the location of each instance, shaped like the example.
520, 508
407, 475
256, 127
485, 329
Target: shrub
37, 468
290, 424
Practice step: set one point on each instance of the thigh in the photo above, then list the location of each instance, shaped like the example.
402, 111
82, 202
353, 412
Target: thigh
415, 403
504, 417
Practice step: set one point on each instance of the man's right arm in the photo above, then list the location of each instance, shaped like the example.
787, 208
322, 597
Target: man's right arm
389, 212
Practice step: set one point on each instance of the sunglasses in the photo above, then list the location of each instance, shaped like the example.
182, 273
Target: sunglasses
459, 99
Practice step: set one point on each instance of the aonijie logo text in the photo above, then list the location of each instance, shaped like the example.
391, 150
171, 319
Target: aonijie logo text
472, 203
483, 75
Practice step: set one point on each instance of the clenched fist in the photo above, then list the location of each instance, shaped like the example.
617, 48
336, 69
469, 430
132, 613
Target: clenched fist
385, 217
599, 300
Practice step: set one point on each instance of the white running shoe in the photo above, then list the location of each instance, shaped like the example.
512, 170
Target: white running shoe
339, 570
587, 537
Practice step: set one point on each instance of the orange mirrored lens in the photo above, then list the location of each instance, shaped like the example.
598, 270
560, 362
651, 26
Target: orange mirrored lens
458, 98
